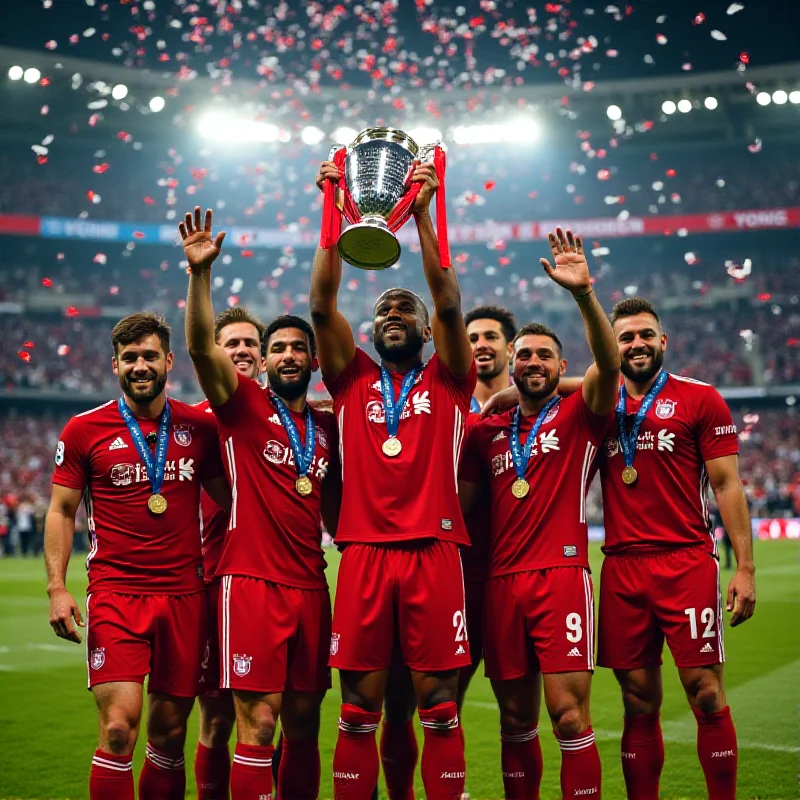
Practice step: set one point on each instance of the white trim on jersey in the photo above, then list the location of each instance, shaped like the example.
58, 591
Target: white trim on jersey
86, 637
587, 591
234, 493
720, 634
705, 485
340, 422
458, 440
97, 408
225, 638
688, 380
90, 526
588, 458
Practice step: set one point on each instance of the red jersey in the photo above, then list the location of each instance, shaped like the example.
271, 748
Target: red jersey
689, 423
274, 533
134, 551
413, 495
546, 528
215, 523
475, 559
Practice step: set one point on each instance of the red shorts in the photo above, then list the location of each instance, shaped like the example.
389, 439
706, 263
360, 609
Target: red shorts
273, 638
409, 592
644, 599
131, 636
539, 621
475, 593
209, 678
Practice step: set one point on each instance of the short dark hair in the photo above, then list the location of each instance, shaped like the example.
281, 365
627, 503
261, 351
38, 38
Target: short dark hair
291, 321
422, 309
631, 306
498, 314
135, 327
235, 314
537, 329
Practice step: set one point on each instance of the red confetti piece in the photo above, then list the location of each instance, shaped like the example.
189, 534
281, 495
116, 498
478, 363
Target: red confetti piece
671, 173
72, 311
149, 201
41, 159
63, 349
603, 175
47, 283
29, 343
489, 185
100, 168
764, 297
24, 355
744, 58
138, 235
247, 253
90, 195
699, 19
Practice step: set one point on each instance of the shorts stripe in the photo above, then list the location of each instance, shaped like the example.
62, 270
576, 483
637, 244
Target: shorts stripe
226, 630
587, 589
86, 635
720, 633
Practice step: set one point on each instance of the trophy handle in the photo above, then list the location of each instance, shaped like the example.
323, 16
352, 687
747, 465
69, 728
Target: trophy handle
426, 152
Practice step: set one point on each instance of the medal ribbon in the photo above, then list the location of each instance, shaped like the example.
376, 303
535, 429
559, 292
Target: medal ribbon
155, 469
522, 455
393, 409
474, 406
302, 458
627, 439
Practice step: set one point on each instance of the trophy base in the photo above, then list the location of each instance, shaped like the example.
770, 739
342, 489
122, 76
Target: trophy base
369, 244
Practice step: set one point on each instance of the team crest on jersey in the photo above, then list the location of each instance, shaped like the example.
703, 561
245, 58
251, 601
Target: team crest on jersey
322, 438
182, 434
665, 408
334, 643
275, 452
122, 474
376, 412
97, 657
551, 414
241, 664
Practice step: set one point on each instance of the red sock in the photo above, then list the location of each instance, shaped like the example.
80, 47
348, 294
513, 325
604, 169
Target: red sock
443, 767
521, 760
298, 774
399, 752
162, 777
580, 765
642, 750
355, 759
251, 773
111, 777
212, 772
716, 746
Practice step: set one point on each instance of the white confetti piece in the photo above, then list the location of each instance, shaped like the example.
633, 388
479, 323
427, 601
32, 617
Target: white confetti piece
733, 8
719, 36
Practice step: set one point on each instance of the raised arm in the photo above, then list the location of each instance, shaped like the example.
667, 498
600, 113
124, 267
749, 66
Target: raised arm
59, 529
449, 332
336, 347
723, 475
214, 368
601, 382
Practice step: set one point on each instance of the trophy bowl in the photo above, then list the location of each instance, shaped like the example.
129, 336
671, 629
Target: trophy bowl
377, 173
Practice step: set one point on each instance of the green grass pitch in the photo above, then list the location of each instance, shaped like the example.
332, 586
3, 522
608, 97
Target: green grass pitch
47, 717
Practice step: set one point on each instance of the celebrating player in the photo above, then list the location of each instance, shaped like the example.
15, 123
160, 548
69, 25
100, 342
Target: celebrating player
139, 463
400, 577
538, 461
275, 607
673, 437
239, 334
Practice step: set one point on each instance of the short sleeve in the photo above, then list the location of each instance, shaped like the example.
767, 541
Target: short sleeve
72, 467
340, 385
233, 410
460, 387
597, 425
715, 432
472, 469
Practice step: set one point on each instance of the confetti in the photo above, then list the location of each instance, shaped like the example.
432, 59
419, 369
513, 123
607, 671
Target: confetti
733, 8
719, 36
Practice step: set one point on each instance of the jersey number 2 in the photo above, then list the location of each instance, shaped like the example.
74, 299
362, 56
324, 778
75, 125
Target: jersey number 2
460, 626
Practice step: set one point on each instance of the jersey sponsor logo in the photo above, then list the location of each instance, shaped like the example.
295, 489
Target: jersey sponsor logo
418, 403
241, 664
570, 551
421, 403
117, 444
575, 653
126, 474
548, 442
123, 474
334, 643
182, 434
97, 657
59, 453
725, 430
665, 408
277, 453
666, 440
376, 412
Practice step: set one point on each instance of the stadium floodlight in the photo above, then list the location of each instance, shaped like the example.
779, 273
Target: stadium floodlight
614, 113
223, 127
779, 97
521, 130
423, 135
120, 91
763, 98
344, 135
15, 73
31, 75
710, 103
684, 106
311, 135
794, 97
669, 107
157, 104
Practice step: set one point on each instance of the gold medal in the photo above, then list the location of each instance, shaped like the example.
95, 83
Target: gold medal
629, 476
157, 503
303, 485
392, 447
520, 488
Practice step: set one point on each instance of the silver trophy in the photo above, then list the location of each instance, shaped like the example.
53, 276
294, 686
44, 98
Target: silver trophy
377, 171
